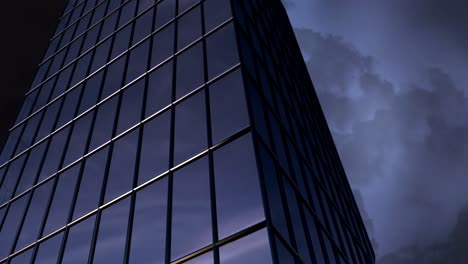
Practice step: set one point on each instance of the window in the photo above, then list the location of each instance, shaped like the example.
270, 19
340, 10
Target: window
145, 4
22, 258
216, 12
79, 242
122, 166
11, 224
91, 92
49, 119
189, 70
91, 36
284, 255
225, 95
127, 13
115, 73
52, 160
138, 61
104, 123
206, 258
44, 94
165, 12
238, 196
191, 210
122, 40
110, 244
130, 108
48, 250
27, 106
61, 200
159, 89
78, 139
149, 224
154, 158
10, 144
143, 26
31, 168
189, 28
73, 50
69, 107
91, 182
190, 128
314, 237
101, 54
27, 138
81, 69
11, 177
108, 25
163, 44
251, 249
221, 51
34, 215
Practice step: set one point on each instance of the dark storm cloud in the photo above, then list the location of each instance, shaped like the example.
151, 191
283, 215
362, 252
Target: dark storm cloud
403, 145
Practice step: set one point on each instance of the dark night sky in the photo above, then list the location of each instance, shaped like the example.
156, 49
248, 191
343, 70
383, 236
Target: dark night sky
391, 77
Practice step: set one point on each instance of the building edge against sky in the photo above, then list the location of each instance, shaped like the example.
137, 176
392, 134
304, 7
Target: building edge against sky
175, 131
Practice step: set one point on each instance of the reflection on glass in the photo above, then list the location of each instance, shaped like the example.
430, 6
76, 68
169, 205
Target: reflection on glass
91, 92
29, 132
163, 45
143, 25
110, 244
114, 77
102, 130
284, 256
54, 153
79, 242
34, 215
138, 61
252, 249
216, 12
48, 250
236, 173
130, 108
314, 238
11, 177
122, 41
69, 107
78, 139
190, 128
225, 95
221, 51
149, 224
122, 166
48, 121
154, 158
206, 258
165, 12
11, 225
61, 200
31, 168
22, 258
189, 70
91, 182
191, 210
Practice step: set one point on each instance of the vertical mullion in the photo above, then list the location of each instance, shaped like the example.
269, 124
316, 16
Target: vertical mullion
214, 219
171, 147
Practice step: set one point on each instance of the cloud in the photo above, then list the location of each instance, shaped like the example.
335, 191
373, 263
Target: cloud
402, 145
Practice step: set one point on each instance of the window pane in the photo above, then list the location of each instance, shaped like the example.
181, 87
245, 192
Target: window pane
185, 4
78, 139
73, 50
81, 69
154, 158
79, 242
127, 13
69, 107
62, 199
165, 12
163, 45
54, 154
314, 238
253, 249
48, 250
34, 215
109, 25
138, 61
44, 94
149, 224
31, 168
11, 177
143, 26
62, 82
27, 106
206, 258
284, 256
221, 49
225, 95
145, 4
102, 131
122, 41
190, 128
91, 92
22, 258
29, 132
130, 108
236, 173
191, 210
189, 28
10, 144
122, 167
49, 119
91, 182
11, 224
216, 12
100, 55
189, 70
91, 37
110, 244
159, 89
115, 73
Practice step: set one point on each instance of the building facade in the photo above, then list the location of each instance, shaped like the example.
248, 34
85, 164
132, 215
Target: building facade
175, 131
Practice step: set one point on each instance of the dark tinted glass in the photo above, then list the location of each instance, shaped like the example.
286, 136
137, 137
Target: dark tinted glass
252, 249
191, 210
159, 89
225, 95
122, 166
114, 76
91, 182
221, 49
236, 172
79, 137
154, 158
11, 177
100, 55
122, 41
31, 168
49, 119
55, 152
79, 242
69, 107
110, 244
91, 92
127, 13
163, 45
216, 12
185, 4
81, 69
22, 258
11, 224
29, 133
165, 12
48, 250
102, 130
143, 26
130, 108
61, 200
189, 70
190, 128
137, 64
189, 28
149, 224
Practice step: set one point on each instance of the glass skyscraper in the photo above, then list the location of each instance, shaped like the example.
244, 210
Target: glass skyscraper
175, 131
